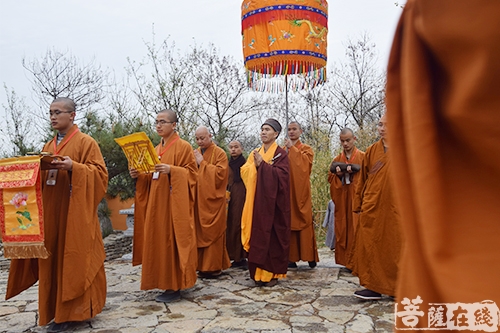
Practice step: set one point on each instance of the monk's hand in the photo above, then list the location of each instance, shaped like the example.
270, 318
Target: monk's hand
288, 143
349, 169
162, 168
338, 171
134, 173
198, 156
257, 158
65, 164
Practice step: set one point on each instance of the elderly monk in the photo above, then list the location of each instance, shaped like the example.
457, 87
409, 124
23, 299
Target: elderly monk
265, 223
378, 242
211, 205
164, 229
72, 281
443, 109
237, 191
302, 240
343, 176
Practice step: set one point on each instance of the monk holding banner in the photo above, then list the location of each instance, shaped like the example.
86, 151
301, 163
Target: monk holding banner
343, 176
164, 230
443, 109
210, 207
72, 281
302, 240
377, 248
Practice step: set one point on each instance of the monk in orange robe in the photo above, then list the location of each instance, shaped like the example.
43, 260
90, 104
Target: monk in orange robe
343, 177
164, 230
443, 109
211, 205
302, 240
72, 281
377, 248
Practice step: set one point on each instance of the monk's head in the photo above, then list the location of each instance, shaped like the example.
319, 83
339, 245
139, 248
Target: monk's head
62, 114
235, 149
269, 131
382, 127
347, 139
166, 123
294, 130
203, 137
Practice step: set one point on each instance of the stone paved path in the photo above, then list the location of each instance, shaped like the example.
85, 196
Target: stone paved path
308, 300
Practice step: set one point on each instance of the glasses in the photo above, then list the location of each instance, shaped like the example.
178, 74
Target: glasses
58, 112
163, 122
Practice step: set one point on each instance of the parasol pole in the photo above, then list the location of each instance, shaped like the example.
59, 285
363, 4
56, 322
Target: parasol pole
286, 105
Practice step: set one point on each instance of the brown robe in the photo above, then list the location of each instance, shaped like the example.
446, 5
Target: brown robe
302, 240
270, 235
378, 241
345, 219
443, 105
211, 210
164, 229
72, 281
237, 200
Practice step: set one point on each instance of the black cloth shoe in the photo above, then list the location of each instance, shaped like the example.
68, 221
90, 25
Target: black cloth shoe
312, 264
58, 327
168, 296
367, 294
292, 265
271, 283
209, 275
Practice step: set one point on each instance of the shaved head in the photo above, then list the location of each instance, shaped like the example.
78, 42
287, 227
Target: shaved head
235, 149
68, 102
296, 123
203, 137
346, 130
236, 143
171, 115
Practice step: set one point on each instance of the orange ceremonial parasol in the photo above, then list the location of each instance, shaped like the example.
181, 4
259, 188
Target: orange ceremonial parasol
284, 44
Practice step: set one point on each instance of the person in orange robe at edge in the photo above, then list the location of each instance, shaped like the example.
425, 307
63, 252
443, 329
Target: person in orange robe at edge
164, 229
302, 240
72, 281
343, 177
265, 222
236, 188
211, 205
443, 110
378, 243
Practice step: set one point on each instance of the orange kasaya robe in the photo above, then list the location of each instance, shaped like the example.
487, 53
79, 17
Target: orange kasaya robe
211, 210
72, 281
302, 240
443, 111
378, 243
342, 191
164, 230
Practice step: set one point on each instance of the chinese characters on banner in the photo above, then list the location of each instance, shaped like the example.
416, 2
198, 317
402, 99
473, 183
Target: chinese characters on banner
140, 152
414, 314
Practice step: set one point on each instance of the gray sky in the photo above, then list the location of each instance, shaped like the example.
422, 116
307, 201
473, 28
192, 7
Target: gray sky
112, 30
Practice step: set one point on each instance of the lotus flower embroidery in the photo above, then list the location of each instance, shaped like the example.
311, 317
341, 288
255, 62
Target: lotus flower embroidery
19, 200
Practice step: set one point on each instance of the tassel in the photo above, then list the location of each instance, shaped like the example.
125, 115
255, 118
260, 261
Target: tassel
25, 250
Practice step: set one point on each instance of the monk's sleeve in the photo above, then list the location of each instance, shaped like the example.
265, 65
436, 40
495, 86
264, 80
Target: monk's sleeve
301, 159
360, 184
84, 250
215, 175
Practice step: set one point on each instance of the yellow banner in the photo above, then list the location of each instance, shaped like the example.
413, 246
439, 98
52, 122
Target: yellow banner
140, 152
